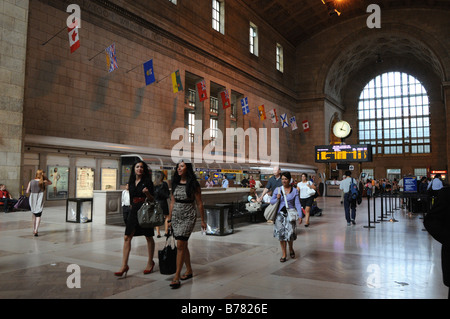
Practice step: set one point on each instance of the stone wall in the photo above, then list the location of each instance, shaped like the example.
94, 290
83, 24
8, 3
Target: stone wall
13, 39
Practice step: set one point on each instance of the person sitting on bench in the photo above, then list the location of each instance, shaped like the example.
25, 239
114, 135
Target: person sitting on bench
6, 198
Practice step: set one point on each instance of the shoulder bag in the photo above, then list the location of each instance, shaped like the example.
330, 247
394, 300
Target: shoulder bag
310, 191
271, 211
292, 212
150, 215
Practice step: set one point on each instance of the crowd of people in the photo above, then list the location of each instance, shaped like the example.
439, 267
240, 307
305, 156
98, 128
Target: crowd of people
291, 200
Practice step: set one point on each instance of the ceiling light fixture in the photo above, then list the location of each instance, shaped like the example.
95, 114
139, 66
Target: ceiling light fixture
332, 11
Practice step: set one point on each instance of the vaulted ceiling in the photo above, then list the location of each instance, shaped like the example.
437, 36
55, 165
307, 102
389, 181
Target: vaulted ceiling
297, 20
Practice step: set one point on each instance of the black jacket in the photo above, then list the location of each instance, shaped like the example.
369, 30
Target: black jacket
437, 223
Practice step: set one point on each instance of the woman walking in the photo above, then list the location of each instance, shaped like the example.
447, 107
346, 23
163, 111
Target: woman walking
284, 229
186, 195
306, 200
162, 193
36, 189
141, 188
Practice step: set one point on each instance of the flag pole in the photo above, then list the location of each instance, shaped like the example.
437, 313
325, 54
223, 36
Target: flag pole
134, 68
54, 36
164, 78
96, 54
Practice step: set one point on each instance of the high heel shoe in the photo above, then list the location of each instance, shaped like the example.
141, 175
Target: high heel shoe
121, 273
149, 271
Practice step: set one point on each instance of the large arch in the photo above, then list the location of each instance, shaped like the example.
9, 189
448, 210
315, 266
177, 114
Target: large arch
410, 49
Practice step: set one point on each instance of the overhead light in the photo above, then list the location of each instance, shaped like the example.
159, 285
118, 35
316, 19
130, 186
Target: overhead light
332, 11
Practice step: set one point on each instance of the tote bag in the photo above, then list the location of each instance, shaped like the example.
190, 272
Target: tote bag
168, 256
271, 211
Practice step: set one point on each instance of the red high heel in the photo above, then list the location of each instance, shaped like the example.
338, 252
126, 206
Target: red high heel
146, 272
120, 273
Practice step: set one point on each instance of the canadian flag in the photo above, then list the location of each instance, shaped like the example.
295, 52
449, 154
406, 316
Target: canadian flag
305, 126
74, 38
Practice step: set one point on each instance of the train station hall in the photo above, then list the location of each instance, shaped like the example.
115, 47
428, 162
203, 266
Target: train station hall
240, 154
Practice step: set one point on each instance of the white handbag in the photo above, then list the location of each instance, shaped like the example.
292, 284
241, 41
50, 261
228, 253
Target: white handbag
292, 212
310, 192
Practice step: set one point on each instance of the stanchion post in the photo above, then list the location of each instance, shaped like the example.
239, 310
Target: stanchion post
368, 213
392, 220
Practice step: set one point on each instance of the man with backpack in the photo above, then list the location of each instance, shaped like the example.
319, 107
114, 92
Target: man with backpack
351, 194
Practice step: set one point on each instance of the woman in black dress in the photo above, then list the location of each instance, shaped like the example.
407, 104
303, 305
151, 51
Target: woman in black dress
140, 187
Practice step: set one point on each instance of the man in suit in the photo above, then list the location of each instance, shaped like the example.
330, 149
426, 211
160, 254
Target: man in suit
437, 223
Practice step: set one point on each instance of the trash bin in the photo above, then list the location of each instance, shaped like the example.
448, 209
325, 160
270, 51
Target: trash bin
79, 210
217, 219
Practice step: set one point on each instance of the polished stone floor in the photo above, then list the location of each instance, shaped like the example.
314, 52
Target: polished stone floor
394, 260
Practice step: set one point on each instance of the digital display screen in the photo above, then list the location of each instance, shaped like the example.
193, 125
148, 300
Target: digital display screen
343, 153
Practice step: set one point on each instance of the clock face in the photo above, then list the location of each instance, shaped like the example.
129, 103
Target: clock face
342, 129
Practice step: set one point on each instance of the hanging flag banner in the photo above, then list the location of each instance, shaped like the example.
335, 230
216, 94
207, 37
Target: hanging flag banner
176, 82
148, 72
74, 38
245, 107
293, 123
305, 126
284, 122
111, 60
262, 112
225, 99
273, 116
201, 89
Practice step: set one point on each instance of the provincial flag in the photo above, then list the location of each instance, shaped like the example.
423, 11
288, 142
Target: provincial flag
293, 122
305, 126
245, 107
176, 82
262, 112
148, 72
226, 103
284, 122
111, 60
273, 116
74, 38
201, 89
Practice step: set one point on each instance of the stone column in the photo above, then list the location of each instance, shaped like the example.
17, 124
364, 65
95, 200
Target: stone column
13, 41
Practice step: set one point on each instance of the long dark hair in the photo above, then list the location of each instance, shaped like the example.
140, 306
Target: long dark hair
146, 176
191, 180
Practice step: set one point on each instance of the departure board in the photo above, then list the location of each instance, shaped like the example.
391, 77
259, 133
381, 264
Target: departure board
343, 153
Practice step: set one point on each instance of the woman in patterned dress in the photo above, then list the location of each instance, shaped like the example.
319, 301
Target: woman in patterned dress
186, 195
284, 230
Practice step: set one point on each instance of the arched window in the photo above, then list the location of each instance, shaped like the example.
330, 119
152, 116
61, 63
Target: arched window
394, 115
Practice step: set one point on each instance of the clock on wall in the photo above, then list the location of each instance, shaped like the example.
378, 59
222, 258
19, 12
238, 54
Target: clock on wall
342, 129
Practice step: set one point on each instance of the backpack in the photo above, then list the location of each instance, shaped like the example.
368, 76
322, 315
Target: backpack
354, 190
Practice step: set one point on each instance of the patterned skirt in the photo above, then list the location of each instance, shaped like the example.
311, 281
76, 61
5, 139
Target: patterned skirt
283, 229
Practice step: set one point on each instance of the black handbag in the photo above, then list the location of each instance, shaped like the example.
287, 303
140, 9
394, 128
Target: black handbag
150, 215
23, 203
168, 256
